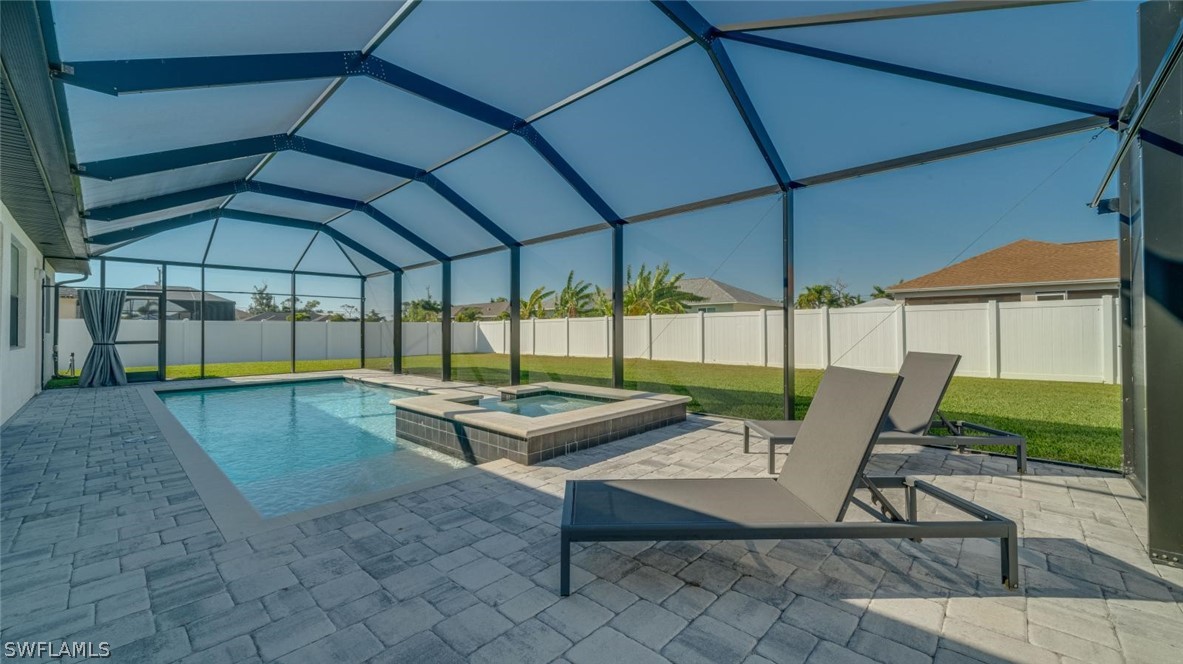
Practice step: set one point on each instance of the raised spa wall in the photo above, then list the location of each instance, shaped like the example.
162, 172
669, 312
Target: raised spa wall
451, 421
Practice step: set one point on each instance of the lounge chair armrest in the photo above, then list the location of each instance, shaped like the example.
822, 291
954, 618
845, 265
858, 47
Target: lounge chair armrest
981, 428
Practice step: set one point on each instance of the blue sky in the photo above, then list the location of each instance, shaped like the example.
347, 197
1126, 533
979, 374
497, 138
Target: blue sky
669, 135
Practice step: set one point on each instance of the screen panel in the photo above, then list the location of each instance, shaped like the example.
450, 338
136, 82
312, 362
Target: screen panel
703, 308
282, 207
510, 183
258, 338
303, 171
379, 239
380, 319
724, 12
421, 327
185, 245
480, 319
324, 255
328, 323
236, 243
434, 219
183, 325
559, 47
99, 193
665, 136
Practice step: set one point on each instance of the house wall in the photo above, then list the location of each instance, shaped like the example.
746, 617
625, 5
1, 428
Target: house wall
1019, 294
21, 367
728, 307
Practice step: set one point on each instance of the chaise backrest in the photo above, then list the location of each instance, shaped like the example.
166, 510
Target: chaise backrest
926, 377
836, 436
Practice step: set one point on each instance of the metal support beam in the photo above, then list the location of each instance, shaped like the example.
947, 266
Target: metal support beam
201, 370
446, 321
1151, 87
224, 189
618, 287
1160, 279
788, 306
887, 13
515, 315
698, 28
162, 326
362, 320
396, 364
923, 75
962, 150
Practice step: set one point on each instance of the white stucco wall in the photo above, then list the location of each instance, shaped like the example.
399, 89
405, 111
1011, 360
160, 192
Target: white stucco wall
20, 368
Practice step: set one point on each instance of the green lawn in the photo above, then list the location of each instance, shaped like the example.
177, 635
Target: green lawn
1076, 422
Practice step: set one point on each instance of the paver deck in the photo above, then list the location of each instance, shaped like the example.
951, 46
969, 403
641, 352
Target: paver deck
103, 538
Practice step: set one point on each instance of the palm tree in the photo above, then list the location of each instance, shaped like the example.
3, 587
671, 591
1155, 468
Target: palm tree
656, 292
827, 295
879, 293
535, 305
575, 299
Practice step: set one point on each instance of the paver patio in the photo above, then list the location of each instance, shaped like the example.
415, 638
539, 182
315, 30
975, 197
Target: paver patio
105, 539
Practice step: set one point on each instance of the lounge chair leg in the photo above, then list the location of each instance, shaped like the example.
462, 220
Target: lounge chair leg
1010, 558
910, 505
746, 439
771, 457
1021, 452
564, 565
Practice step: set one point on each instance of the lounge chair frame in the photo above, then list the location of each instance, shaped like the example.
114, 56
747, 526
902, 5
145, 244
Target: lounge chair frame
959, 438
891, 524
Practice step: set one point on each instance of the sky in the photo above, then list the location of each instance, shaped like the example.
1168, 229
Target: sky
670, 135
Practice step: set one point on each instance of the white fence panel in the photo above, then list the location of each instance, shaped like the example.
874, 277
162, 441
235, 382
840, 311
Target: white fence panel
952, 328
734, 338
677, 338
589, 337
808, 340
1051, 340
864, 339
415, 339
464, 337
380, 339
312, 341
550, 336
636, 336
527, 332
492, 337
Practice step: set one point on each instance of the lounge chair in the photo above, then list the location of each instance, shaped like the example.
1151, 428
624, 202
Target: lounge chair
807, 501
913, 415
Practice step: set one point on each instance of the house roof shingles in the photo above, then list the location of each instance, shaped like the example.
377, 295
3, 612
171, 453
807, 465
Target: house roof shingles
1024, 262
717, 292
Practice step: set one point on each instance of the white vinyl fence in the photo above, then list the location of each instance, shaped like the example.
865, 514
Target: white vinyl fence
1070, 340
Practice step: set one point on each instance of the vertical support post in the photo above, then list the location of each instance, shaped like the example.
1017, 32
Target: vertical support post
567, 335
362, 320
201, 370
1133, 437
1108, 339
789, 364
1162, 282
993, 341
648, 336
515, 315
446, 322
825, 337
763, 337
162, 324
901, 335
292, 311
618, 306
396, 341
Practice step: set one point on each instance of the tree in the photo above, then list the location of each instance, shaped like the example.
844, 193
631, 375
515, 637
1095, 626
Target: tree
575, 299
833, 294
535, 305
374, 316
349, 312
656, 292
467, 315
879, 293
261, 301
426, 310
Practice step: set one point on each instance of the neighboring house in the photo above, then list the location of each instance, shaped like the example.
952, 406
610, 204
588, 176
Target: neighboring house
285, 316
182, 303
485, 310
876, 303
719, 296
1025, 271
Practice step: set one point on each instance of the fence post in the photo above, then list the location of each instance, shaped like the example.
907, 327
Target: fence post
607, 336
567, 327
824, 320
1108, 340
533, 336
993, 340
648, 336
763, 337
901, 336
702, 337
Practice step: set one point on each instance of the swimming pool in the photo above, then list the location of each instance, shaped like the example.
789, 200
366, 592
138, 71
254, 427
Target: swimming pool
542, 404
297, 445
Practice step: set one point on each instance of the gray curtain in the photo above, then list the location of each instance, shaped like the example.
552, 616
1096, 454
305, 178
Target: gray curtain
100, 311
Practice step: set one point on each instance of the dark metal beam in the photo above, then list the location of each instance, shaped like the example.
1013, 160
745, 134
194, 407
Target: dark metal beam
396, 364
618, 287
924, 75
788, 308
886, 13
515, 315
698, 28
951, 152
1153, 86
446, 321
147, 205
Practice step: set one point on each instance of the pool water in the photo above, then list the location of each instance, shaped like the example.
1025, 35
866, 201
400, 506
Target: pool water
292, 446
537, 406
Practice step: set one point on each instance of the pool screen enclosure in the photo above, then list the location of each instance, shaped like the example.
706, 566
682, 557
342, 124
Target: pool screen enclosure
361, 140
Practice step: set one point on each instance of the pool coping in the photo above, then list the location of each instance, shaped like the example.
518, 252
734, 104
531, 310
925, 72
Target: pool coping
232, 513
